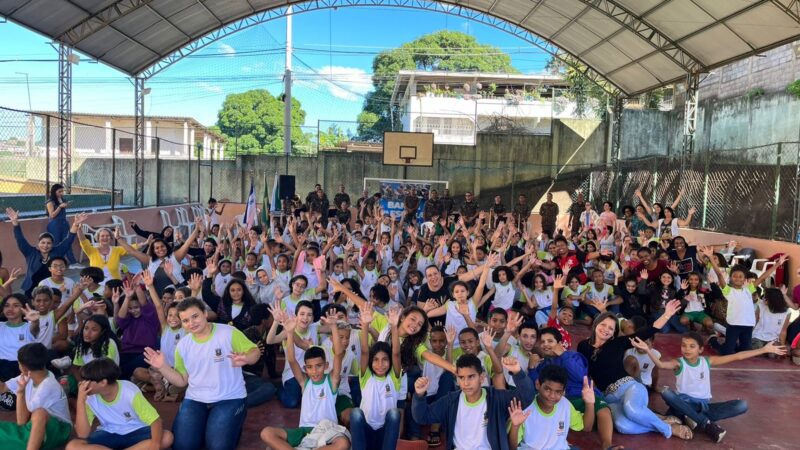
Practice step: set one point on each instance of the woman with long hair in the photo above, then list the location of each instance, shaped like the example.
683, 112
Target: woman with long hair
57, 224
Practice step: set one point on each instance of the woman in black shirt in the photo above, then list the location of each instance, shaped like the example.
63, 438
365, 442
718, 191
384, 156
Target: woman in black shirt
626, 397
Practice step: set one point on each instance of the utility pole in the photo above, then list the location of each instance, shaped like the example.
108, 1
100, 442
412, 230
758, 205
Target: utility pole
287, 91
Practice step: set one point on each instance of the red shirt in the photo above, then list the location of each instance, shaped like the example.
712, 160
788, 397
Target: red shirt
566, 338
652, 274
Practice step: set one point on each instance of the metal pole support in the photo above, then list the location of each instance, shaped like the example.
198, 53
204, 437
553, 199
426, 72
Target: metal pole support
65, 116
616, 144
138, 141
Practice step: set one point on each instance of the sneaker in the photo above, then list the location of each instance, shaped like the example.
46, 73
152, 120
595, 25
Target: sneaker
8, 401
63, 363
689, 422
715, 432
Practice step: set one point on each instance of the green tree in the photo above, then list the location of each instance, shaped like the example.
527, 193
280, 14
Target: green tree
252, 122
333, 137
442, 50
587, 95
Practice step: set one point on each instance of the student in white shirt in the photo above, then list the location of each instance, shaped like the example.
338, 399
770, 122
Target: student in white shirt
58, 265
43, 420
126, 419
640, 366
691, 398
209, 362
545, 423
308, 331
376, 423
319, 391
21, 327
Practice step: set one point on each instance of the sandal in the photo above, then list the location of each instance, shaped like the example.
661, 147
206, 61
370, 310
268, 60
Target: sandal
672, 420
434, 439
682, 432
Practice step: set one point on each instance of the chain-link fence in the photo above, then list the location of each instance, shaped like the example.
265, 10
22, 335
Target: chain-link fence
751, 191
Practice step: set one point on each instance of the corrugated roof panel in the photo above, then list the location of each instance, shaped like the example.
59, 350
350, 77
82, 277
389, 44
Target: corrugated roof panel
169, 7
511, 10
677, 22
763, 25
545, 21
101, 42
599, 23
576, 38
606, 58
161, 37
631, 44
719, 9
231, 9
639, 6
50, 17
568, 8
137, 22
94, 5
194, 20
715, 44
128, 54
635, 78
660, 64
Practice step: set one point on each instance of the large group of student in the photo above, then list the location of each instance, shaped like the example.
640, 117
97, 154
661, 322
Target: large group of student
450, 325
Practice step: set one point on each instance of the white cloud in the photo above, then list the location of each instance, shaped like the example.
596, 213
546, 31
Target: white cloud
208, 87
226, 50
346, 83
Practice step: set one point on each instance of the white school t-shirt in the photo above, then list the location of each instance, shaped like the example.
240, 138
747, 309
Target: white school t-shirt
741, 310
311, 334
472, 424
517, 353
211, 375
65, 287
112, 352
694, 380
318, 402
454, 318
504, 295
769, 324
645, 364
542, 431
47, 327
169, 342
433, 373
12, 338
379, 395
128, 412
348, 362
50, 396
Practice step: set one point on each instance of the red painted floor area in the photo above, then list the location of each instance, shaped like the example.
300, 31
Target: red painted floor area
767, 385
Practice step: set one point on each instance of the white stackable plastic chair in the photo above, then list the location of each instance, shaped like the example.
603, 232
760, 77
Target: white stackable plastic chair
739, 259
130, 238
165, 220
767, 265
183, 220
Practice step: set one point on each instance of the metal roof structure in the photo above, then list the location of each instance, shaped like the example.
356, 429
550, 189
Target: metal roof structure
637, 45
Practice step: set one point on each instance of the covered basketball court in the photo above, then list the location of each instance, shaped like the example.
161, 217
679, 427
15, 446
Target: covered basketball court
628, 46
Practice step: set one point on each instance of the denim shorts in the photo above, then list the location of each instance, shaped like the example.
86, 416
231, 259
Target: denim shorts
119, 441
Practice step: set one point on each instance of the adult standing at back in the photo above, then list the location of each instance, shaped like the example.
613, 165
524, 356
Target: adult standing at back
469, 210
341, 197
575, 210
448, 204
433, 207
549, 213
57, 224
522, 210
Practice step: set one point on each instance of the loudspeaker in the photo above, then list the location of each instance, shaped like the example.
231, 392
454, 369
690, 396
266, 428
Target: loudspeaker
286, 186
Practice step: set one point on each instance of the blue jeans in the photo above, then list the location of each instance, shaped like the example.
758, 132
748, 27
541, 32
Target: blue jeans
738, 338
629, 408
291, 394
355, 390
702, 411
542, 316
413, 429
119, 441
673, 324
128, 362
258, 390
217, 426
364, 437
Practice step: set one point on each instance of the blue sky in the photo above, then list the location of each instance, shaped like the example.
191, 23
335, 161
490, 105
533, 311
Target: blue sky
338, 43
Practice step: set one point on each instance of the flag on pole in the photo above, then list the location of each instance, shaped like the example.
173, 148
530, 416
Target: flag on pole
250, 216
265, 205
275, 206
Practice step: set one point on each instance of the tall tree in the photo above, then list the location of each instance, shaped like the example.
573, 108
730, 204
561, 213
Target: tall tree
442, 50
252, 122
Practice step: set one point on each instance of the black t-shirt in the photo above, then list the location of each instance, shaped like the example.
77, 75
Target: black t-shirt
441, 296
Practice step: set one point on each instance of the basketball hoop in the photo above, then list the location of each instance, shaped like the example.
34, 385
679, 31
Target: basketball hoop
408, 153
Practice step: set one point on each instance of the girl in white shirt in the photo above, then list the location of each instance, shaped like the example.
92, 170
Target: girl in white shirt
772, 319
376, 424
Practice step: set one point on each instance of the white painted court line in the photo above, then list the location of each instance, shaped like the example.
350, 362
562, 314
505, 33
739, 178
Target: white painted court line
755, 370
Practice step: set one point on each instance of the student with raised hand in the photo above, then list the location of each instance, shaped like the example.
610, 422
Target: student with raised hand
319, 392
691, 398
376, 423
127, 420
543, 424
305, 335
209, 362
37, 258
474, 417
741, 313
21, 327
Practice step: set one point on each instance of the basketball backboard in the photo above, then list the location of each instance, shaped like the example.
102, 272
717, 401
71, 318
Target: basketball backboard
407, 149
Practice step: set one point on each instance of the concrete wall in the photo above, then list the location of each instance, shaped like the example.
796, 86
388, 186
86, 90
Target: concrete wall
731, 123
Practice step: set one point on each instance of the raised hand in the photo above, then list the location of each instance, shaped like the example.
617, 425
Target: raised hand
643, 274
487, 339
514, 321
365, 317
692, 210
14, 275
533, 360
168, 266
13, 216
462, 308
673, 266
515, 412
329, 319
289, 323
117, 233
599, 305
211, 268
558, 282
22, 382
685, 284
127, 289
450, 335
587, 392
639, 344
80, 218
116, 293
511, 364
84, 388
147, 278
430, 305
195, 282
154, 357
30, 314
421, 386
394, 316
673, 306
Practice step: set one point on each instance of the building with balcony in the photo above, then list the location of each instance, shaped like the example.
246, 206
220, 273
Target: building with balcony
96, 135
455, 106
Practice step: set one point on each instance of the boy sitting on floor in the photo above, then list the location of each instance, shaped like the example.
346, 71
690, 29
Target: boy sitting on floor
43, 420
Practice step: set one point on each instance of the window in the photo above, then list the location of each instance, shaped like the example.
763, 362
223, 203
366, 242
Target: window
126, 146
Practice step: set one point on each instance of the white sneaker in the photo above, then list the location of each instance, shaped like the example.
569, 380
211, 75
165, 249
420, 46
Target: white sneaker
63, 363
719, 328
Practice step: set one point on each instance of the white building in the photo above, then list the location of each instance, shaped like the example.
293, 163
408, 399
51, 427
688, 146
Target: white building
454, 106
93, 135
